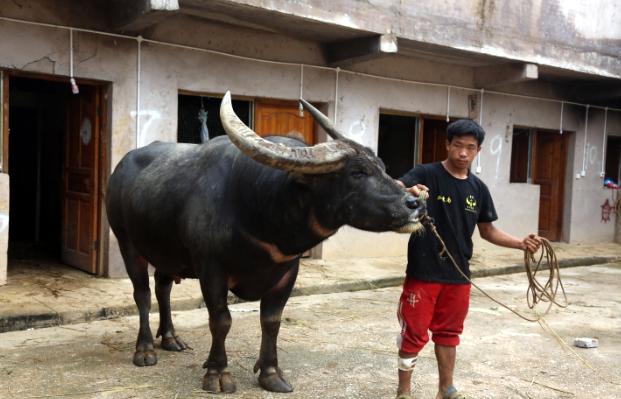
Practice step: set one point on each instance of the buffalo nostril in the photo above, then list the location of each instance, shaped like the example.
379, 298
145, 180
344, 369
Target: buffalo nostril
411, 202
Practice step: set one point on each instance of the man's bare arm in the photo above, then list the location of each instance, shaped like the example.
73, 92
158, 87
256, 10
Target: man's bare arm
497, 236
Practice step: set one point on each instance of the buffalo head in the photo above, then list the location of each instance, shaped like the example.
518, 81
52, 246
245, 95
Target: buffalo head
348, 182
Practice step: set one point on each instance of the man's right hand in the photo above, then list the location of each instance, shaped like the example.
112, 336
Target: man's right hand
416, 189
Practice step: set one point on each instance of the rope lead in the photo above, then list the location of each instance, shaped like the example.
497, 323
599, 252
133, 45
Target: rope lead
536, 291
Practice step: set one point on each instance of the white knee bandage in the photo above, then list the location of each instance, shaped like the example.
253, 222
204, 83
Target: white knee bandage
407, 364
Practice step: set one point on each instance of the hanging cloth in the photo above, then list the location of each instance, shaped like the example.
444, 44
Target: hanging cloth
202, 117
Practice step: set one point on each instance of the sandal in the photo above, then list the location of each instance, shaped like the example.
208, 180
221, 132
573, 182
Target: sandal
453, 393
404, 396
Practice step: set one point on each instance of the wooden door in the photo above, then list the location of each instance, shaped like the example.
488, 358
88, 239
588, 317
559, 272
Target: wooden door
549, 159
80, 180
282, 118
433, 147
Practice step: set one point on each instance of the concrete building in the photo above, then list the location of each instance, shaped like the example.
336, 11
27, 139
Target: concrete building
542, 77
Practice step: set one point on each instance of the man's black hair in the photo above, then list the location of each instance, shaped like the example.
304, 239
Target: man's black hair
463, 127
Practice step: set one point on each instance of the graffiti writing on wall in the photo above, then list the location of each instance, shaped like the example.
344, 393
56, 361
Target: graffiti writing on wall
4, 222
591, 154
357, 131
495, 148
147, 117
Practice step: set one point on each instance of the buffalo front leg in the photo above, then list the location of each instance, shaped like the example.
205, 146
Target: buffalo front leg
217, 379
137, 271
272, 304
170, 340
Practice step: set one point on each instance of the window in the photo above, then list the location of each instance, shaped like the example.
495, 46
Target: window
613, 160
520, 156
190, 126
397, 143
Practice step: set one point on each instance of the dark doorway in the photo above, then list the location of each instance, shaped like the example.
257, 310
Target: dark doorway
613, 161
37, 121
54, 170
192, 109
397, 143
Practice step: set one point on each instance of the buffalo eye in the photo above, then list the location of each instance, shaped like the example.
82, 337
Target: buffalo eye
359, 174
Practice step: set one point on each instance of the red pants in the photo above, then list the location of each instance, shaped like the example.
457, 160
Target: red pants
439, 307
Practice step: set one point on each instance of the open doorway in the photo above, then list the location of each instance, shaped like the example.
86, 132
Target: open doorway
396, 144
37, 124
54, 164
540, 157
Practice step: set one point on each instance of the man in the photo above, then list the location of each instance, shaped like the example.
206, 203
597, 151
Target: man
435, 295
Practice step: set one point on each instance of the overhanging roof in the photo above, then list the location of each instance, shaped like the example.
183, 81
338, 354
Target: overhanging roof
345, 43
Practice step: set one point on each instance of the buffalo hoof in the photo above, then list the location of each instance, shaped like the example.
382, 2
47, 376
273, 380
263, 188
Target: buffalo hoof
215, 381
272, 380
174, 343
145, 355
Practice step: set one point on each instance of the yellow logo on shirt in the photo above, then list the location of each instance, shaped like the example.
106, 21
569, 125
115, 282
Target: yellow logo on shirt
446, 199
471, 204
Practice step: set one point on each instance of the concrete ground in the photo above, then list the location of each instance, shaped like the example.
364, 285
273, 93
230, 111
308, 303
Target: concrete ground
341, 345
43, 294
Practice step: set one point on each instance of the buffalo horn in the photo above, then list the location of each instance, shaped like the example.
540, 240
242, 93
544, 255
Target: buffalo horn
323, 120
320, 158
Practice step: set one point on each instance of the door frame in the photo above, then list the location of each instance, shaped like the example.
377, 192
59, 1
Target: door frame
104, 155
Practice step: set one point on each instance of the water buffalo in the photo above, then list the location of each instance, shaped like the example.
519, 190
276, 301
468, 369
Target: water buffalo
237, 213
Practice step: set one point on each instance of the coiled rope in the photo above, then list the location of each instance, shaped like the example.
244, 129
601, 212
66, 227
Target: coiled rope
536, 291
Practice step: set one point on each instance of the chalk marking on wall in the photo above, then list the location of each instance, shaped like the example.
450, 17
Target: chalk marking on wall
478, 169
495, 148
603, 171
586, 131
592, 154
357, 130
151, 116
4, 222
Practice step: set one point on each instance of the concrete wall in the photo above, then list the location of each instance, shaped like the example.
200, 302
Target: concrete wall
588, 192
577, 35
166, 70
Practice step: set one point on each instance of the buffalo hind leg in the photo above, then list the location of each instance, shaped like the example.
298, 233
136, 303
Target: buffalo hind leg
137, 269
170, 340
272, 304
217, 379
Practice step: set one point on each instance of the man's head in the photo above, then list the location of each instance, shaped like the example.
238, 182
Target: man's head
463, 142
462, 127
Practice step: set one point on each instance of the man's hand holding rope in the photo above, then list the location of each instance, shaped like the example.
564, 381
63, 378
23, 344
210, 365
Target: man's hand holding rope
531, 243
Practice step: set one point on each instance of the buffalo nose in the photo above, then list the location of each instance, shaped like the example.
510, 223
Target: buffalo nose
412, 202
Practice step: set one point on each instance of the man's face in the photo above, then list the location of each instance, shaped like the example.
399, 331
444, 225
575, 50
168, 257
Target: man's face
462, 150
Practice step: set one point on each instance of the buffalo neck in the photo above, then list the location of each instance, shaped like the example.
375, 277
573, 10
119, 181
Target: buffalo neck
278, 212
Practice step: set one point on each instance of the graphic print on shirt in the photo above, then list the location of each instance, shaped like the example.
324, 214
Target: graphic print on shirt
471, 204
444, 198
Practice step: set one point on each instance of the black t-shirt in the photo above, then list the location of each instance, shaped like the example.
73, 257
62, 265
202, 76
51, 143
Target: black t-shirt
456, 205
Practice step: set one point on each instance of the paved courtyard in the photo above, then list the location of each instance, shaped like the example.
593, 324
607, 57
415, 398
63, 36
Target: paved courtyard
341, 346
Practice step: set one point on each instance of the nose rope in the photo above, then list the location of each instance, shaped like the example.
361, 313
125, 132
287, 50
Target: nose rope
536, 291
